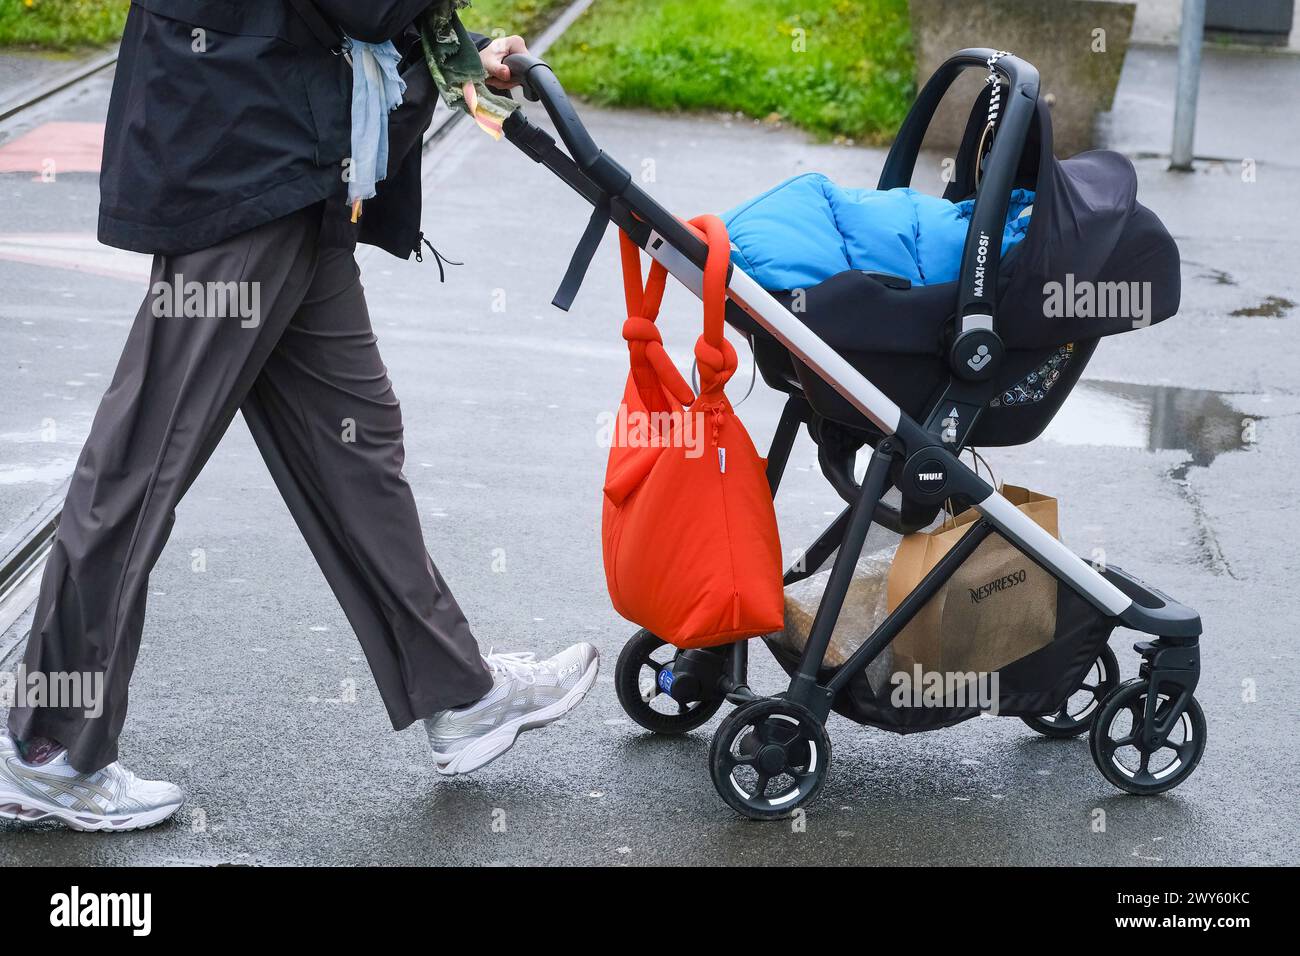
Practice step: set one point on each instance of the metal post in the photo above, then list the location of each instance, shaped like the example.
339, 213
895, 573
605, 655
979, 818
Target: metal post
1189, 75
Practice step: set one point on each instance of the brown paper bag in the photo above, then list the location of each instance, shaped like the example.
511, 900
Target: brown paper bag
998, 607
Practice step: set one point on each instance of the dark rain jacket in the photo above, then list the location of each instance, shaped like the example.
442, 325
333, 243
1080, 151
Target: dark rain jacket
227, 114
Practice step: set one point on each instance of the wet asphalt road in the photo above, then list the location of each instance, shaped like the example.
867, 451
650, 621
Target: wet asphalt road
251, 692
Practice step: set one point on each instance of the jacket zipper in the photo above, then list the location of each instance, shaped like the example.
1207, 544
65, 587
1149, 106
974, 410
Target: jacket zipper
437, 257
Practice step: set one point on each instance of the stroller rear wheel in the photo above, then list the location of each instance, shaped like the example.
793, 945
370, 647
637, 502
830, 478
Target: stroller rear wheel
768, 758
1134, 764
640, 687
1079, 709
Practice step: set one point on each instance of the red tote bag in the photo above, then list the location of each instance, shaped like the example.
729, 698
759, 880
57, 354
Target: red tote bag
688, 528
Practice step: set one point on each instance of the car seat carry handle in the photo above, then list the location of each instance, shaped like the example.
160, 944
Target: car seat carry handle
1021, 76
976, 350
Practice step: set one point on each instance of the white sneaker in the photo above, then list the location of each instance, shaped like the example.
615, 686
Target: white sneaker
110, 799
526, 694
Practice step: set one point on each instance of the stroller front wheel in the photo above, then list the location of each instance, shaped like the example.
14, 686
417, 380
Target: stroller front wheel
1077, 713
639, 687
1126, 757
768, 758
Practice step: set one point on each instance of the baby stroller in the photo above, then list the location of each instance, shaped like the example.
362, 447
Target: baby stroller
977, 362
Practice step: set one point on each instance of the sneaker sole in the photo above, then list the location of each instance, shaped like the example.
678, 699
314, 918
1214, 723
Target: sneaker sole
492, 745
22, 809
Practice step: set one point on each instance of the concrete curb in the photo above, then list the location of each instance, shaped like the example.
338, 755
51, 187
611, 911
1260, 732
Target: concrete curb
83, 70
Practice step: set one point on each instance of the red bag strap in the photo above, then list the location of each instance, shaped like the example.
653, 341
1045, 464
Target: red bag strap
644, 343
715, 356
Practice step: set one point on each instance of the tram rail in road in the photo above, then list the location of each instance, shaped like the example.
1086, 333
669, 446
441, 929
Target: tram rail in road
23, 551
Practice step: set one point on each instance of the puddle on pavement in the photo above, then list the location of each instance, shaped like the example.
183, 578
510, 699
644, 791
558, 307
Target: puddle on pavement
1200, 423
1154, 417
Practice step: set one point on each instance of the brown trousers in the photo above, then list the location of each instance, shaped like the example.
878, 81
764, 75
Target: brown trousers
301, 369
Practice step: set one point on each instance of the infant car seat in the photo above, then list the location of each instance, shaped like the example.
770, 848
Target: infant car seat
1086, 231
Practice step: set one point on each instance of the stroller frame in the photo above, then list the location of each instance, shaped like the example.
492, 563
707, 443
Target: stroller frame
785, 736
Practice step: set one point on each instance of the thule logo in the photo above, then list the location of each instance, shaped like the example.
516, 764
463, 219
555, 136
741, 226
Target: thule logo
930, 476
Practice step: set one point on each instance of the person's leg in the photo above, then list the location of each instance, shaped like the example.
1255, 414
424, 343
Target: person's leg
325, 418
177, 386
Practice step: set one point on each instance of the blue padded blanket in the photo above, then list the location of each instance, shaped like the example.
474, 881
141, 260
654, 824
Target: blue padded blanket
807, 229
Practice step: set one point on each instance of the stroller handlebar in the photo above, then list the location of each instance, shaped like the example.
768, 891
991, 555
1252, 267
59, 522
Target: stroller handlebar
591, 172
541, 85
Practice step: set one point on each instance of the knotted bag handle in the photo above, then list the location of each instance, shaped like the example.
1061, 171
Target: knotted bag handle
644, 343
715, 355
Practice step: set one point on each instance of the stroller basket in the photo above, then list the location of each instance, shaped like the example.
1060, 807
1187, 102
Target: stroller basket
894, 693
919, 374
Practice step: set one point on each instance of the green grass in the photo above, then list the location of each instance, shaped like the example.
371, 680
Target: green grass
834, 67
68, 24
504, 17
61, 24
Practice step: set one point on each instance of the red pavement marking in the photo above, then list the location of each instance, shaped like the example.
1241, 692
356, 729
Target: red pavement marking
57, 263
71, 147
